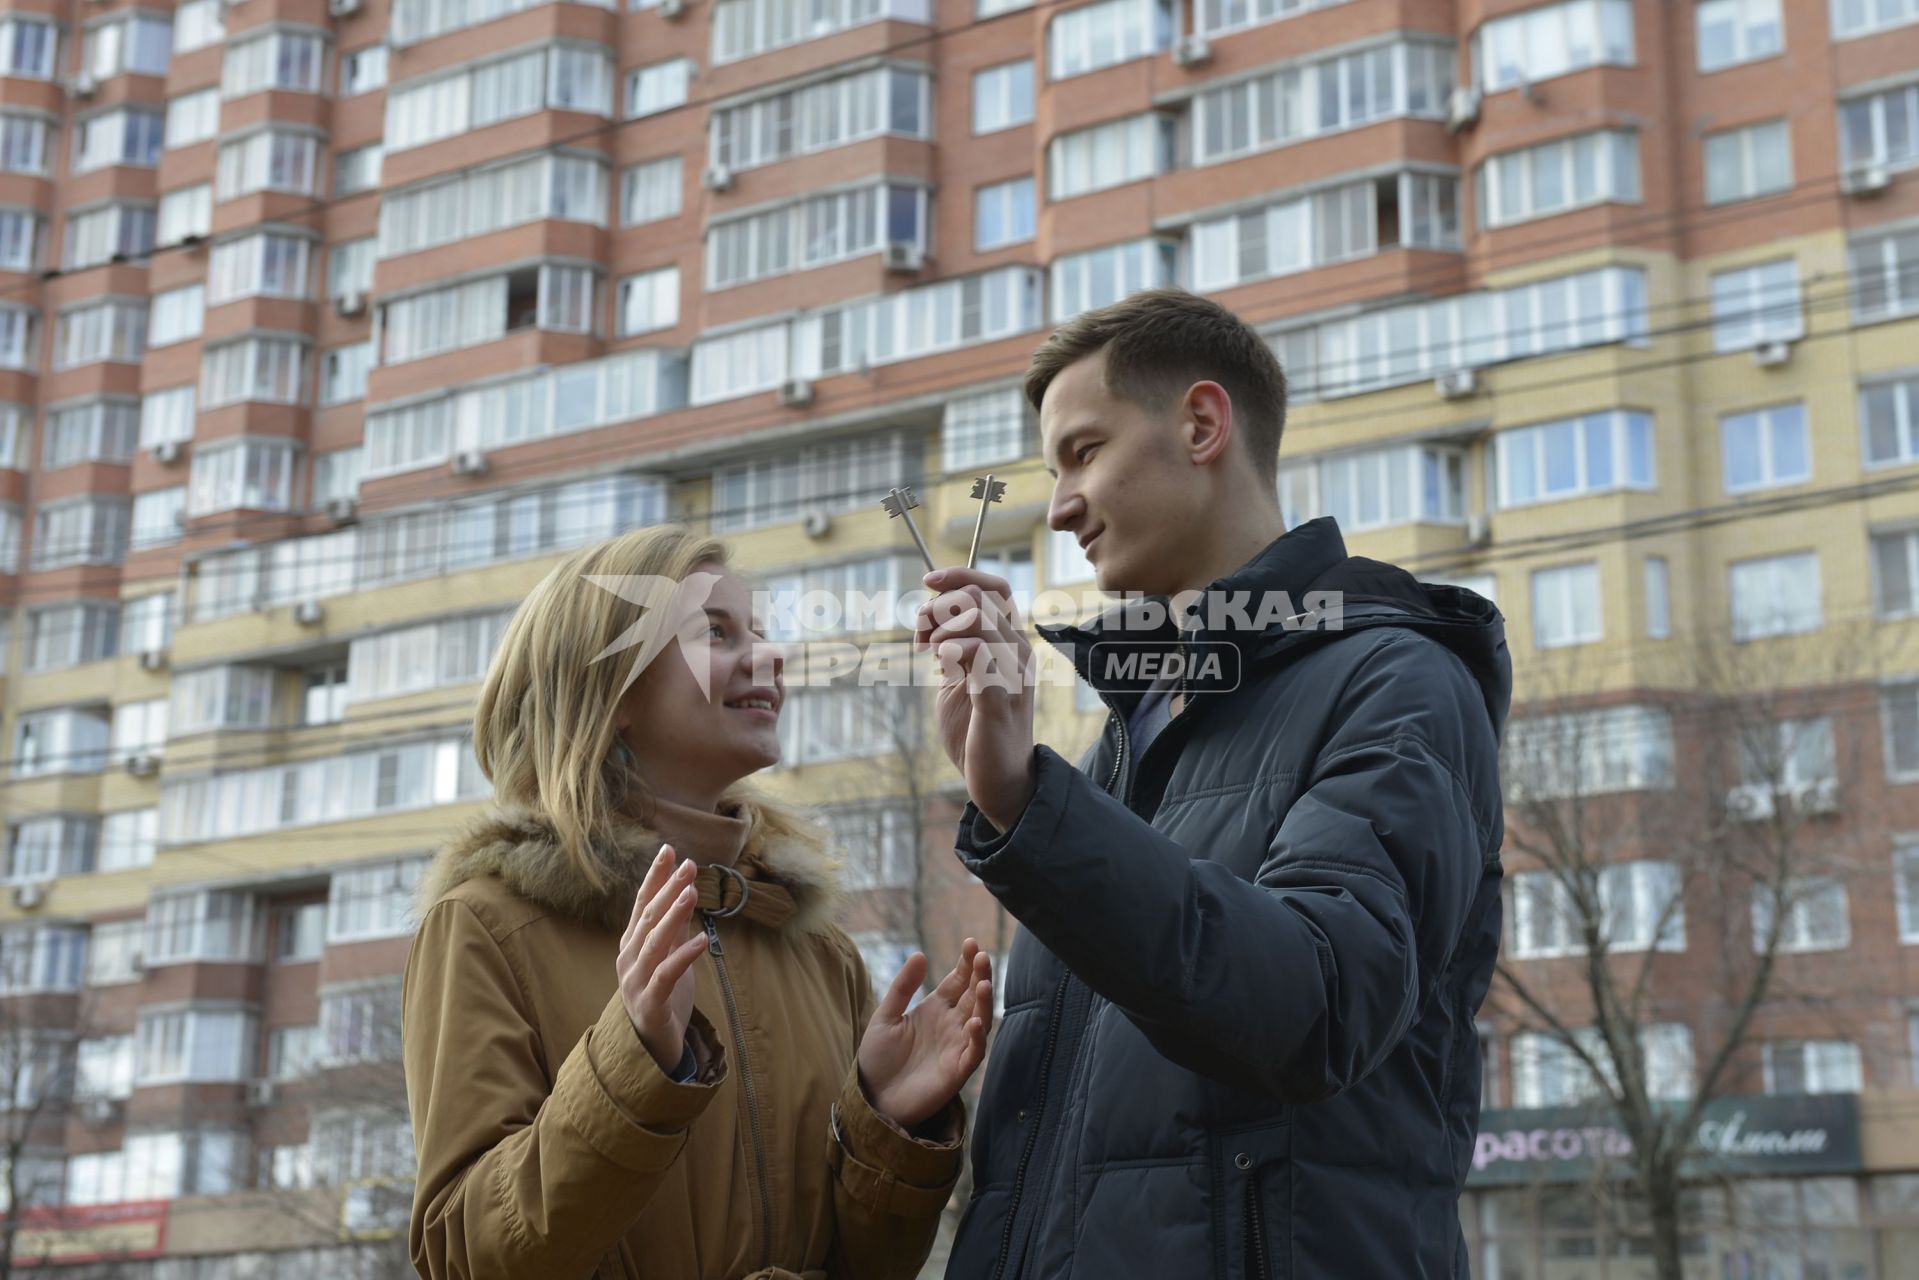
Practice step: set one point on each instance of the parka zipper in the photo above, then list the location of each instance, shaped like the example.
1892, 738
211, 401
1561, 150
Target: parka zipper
1255, 1228
747, 1088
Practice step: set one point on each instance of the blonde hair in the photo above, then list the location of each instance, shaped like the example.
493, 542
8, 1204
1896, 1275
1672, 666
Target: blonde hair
544, 730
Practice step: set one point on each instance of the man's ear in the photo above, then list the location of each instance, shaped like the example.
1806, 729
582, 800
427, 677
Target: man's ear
1208, 422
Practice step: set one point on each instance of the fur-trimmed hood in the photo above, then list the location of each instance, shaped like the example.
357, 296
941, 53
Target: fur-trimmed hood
522, 849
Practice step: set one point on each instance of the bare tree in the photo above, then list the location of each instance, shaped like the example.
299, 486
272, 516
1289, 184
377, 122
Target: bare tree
1735, 792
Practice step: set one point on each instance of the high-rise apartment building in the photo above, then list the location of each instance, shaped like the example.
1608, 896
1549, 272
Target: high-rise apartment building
327, 325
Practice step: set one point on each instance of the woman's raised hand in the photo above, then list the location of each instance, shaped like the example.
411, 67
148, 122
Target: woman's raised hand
656, 958
913, 1063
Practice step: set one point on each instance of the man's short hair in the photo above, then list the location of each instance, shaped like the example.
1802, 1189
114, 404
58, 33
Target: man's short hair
1160, 342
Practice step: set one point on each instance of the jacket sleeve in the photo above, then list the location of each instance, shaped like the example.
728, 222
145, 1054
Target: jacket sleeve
889, 1187
1300, 982
514, 1178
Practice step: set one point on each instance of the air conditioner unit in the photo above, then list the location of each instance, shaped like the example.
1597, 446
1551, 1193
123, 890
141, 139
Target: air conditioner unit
469, 462
342, 510
1192, 51
342, 8
28, 896
1816, 797
308, 613
672, 8
143, 765
350, 303
98, 1110
796, 393
1457, 384
1866, 180
1750, 803
166, 453
903, 255
153, 659
1462, 109
816, 524
717, 178
82, 85
1772, 354
1479, 528
259, 1093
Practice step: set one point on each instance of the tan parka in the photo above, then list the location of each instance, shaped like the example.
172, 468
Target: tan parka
551, 1146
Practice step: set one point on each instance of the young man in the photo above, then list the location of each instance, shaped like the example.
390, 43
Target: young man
1259, 917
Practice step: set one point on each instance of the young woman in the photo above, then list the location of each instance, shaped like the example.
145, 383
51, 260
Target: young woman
636, 1044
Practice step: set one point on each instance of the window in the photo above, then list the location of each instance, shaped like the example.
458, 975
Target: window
1547, 1073
1658, 599
40, 849
121, 136
360, 1023
225, 697
877, 844
130, 42
1885, 276
1899, 718
292, 1051
561, 76
1880, 128
208, 925
1305, 99
1551, 40
41, 958
266, 264
1597, 453
824, 114
452, 651
1735, 31
649, 301
20, 237
1105, 34
252, 475
1083, 281
177, 1045
1003, 214
17, 326
1066, 563
984, 429
192, 118
1785, 757
27, 46
1862, 17
139, 729
108, 232
1812, 1066
324, 694
197, 24
1590, 168
13, 439
810, 232
350, 1146
80, 531
349, 267
146, 622
1889, 416
1377, 488
185, 213
1566, 606
480, 311
176, 316
1588, 753
90, 431
343, 373
1895, 565
66, 635
1743, 164
289, 61
263, 369
659, 87
103, 1068
159, 517
128, 839
838, 723
477, 201
774, 488
1765, 448
742, 28
1639, 907
1777, 596
1814, 919
374, 901
1214, 17
1332, 225
1003, 97
270, 160
852, 597
158, 1166
23, 143
651, 191
336, 474
357, 170
1109, 155
166, 415
362, 70
1756, 304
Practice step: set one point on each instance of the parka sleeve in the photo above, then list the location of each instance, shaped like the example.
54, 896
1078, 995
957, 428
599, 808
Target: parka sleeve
889, 1187
514, 1179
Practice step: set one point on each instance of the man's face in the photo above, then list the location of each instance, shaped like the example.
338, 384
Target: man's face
1123, 482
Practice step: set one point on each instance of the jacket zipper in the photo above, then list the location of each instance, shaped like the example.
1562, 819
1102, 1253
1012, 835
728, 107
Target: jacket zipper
1032, 1135
1119, 759
747, 1088
1255, 1229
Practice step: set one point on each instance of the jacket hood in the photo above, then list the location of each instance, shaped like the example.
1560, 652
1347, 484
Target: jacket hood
1303, 590
521, 848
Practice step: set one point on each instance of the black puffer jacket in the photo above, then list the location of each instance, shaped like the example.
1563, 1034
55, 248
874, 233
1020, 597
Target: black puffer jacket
1239, 1038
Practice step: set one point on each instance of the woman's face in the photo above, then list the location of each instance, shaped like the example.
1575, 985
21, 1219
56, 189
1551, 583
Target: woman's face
692, 742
